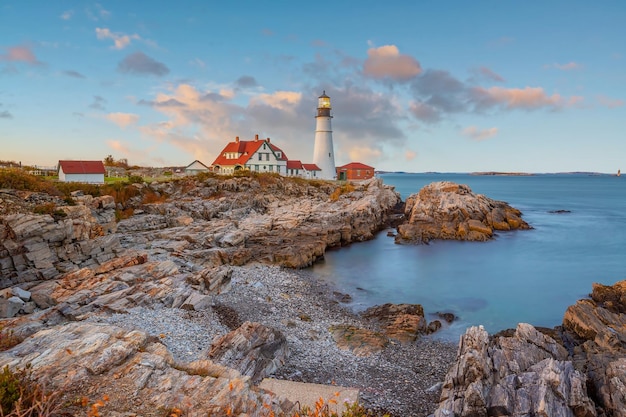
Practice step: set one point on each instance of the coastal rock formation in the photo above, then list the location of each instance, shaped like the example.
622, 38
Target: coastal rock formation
524, 374
578, 369
278, 221
597, 329
35, 246
445, 210
134, 371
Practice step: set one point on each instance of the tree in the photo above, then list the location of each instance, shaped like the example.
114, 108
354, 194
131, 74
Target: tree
109, 161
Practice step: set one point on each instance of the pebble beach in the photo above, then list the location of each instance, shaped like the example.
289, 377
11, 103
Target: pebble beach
402, 379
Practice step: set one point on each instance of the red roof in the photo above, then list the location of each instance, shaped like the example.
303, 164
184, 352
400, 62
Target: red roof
275, 148
355, 165
311, 167
245, 148
294, 165
82, 167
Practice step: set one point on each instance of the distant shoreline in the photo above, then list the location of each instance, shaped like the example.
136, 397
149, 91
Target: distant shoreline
502, 173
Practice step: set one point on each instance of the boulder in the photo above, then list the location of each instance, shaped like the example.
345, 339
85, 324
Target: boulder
402, 322
253, 349
361, 342
446, 210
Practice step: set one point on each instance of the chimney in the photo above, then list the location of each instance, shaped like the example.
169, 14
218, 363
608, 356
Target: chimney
268, 140
256, 138
236, 139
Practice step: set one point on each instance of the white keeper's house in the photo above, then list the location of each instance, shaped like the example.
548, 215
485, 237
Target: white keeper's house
196, 167
258, 155
81, 171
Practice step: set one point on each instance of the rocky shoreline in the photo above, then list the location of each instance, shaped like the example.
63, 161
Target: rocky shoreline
199, 295
181, 284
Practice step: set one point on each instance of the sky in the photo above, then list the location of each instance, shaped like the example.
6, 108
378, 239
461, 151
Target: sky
416, 86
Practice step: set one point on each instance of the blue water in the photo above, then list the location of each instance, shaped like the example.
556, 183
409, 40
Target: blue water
527, 276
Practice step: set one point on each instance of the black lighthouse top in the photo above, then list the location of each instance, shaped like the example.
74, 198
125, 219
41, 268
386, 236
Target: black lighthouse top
323, 105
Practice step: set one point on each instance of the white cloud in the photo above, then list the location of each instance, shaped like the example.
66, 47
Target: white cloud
120, 40
67, 15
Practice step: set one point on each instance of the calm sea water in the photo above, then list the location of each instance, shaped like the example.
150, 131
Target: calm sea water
522, 276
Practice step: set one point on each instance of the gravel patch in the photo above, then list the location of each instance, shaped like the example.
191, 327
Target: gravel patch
401, 380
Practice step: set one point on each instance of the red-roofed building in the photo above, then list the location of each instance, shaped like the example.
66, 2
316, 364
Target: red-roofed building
81, 171
311, 170
355, 171
257, 155
298, 169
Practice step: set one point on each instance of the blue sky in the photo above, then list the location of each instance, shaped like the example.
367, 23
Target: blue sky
449, 86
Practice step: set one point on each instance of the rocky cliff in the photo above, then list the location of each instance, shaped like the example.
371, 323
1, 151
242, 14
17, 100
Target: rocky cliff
42, 246
578, 369
445, 210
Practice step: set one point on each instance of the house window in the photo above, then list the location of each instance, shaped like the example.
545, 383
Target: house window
358, 172
278, 155
267, 156
256, 167
260, 157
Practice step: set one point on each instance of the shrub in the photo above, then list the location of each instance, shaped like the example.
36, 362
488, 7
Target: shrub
151, 197
339, 191
45, 208
203, 176
18, 179
135, 179
22, 396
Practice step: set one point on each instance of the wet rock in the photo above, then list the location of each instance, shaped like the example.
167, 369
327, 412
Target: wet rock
448, 317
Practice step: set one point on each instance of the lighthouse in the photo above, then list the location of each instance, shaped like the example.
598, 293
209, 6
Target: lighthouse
323, 151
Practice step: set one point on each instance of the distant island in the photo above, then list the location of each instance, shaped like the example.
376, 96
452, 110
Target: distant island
516, 174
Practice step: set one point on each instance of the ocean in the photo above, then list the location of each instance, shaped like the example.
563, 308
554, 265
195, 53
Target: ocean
529, 276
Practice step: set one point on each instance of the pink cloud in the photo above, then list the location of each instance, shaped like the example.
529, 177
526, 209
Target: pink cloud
529, 98
20, 54
480, 134
387, 62
609, 102
123, 120
410, 155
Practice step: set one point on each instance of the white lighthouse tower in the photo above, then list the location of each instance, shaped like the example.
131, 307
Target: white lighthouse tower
323, 151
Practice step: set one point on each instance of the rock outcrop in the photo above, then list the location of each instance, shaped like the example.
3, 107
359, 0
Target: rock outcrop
445, 210
253, 349
134, 371
35, 247
578, 369
278, 220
